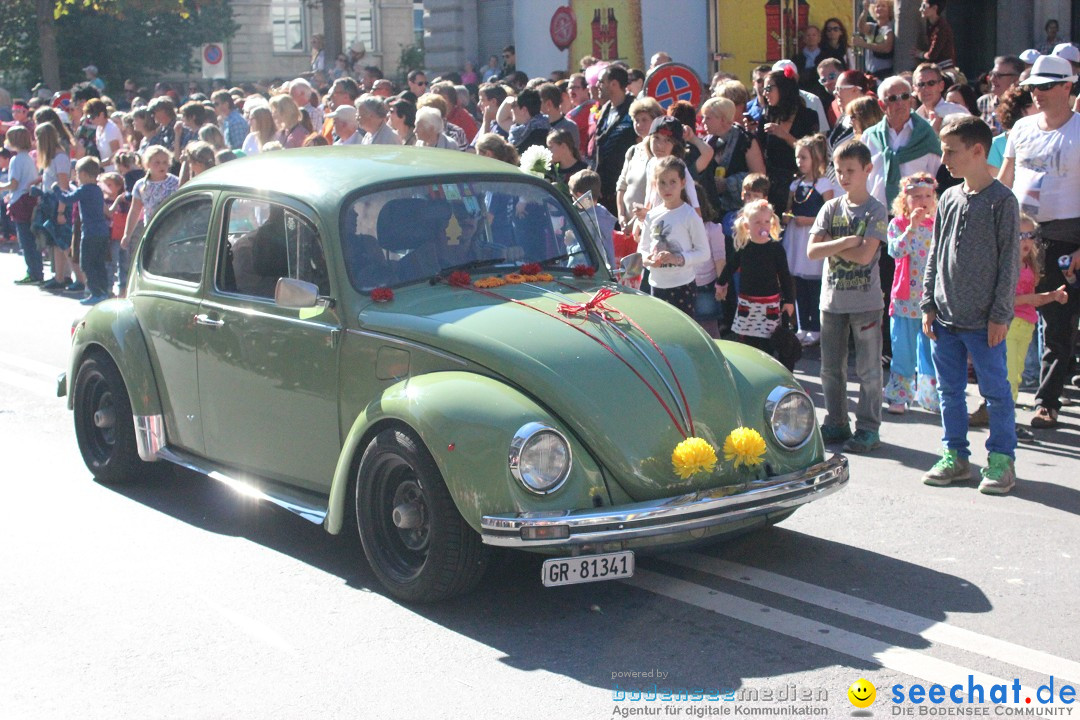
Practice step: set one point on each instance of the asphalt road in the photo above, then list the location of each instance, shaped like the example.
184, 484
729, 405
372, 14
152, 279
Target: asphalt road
181, 599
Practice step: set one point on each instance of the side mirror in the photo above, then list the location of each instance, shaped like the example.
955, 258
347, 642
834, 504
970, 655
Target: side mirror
292, 293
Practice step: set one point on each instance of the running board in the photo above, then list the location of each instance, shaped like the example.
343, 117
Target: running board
308, 508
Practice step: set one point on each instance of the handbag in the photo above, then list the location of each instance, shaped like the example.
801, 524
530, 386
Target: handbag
785, 343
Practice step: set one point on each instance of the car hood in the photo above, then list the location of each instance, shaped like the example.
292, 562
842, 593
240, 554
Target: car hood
610, 403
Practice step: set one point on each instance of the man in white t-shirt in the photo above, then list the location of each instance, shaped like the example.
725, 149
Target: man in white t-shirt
107, 136
1042, 158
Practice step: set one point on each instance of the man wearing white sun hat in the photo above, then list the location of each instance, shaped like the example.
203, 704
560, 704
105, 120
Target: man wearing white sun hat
1041, 157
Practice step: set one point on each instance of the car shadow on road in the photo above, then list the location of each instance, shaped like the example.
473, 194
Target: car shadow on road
588, 632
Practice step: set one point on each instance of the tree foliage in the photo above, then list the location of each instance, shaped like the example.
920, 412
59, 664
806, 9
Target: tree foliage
123, 38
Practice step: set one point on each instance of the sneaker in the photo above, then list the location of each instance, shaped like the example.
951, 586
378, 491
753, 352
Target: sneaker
1024, 435
55, 284
28, 280
93, 299
896, 408
75, 286
801, 335
833, 434
979, 418
999, 475
811, 338
863, 442
950, 468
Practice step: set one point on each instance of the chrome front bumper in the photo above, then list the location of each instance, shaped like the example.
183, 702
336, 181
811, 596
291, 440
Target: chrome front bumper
670, 516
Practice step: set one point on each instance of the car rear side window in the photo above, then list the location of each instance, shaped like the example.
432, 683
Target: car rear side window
176, 247
265, 241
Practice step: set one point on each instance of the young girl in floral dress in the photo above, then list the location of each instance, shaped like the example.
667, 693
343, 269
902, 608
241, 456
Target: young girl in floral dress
910, 236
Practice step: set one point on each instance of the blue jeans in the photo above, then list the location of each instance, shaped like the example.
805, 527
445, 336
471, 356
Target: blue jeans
951, 351
94, 257
31, 254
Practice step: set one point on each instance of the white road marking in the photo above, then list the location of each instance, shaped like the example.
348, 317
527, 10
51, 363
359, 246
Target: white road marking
930, 630
252, 627
31, 366
878, 652
29, 384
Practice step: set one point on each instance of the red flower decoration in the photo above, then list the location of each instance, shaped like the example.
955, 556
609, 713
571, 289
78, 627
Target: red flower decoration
791, 73
531, 269
584, 271
459, 278
382, 294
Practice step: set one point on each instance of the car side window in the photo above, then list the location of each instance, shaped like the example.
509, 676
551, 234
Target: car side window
265, 241
177, 246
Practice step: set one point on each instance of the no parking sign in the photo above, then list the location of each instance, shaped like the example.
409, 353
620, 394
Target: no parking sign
213, 61
672, 81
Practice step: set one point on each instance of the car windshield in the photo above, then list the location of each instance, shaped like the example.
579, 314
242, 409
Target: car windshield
408, 234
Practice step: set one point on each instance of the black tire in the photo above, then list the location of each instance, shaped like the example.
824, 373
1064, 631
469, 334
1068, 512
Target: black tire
103, 423
429, 553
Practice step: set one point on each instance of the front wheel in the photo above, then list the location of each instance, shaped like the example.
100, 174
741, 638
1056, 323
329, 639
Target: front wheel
413, 535
104, 426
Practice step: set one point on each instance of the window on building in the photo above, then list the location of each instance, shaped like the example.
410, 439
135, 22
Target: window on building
287, 25
418, 21
358, 23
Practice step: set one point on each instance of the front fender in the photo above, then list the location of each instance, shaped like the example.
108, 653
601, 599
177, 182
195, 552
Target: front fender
756, 374
467, 421
112, 327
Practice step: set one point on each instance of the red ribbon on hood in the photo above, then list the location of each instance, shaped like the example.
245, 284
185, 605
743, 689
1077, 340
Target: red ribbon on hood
596, 304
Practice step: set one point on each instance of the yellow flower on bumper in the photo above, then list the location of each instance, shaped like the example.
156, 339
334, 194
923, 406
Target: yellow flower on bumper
745, 446
691, 456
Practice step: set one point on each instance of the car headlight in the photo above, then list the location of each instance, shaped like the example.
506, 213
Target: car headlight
540, 458
790, 414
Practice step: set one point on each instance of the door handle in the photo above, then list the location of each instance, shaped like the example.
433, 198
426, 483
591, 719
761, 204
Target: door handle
204, 319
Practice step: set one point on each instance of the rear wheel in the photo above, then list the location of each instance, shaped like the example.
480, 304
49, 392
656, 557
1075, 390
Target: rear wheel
104, 426
413, 535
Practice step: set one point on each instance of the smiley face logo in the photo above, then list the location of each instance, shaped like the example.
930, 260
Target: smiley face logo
862, 693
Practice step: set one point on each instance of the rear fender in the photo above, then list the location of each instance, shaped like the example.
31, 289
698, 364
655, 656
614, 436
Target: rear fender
466, 421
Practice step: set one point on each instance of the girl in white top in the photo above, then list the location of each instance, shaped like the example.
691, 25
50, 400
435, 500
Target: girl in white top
151, 191
810, 191
675, 238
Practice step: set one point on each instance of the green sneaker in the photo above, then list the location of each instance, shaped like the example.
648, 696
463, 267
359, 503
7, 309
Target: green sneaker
833, 434
863, 442
950, 468
999, 475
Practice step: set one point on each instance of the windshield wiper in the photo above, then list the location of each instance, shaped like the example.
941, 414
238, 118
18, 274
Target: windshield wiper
471, 265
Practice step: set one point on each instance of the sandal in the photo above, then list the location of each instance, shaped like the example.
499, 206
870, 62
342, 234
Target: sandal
1044, 418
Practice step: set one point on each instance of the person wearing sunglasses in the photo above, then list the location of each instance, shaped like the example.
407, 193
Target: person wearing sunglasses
929, 85
1042, 154
1006, 74
834, 43
829, 71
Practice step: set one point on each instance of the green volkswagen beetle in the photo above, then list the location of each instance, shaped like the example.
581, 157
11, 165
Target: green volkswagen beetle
429, 346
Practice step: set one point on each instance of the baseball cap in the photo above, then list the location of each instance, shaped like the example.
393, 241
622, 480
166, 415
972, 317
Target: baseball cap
667, 126
1030, 55
1049, 69
782, 65
344, 112
1067, 51
90, 69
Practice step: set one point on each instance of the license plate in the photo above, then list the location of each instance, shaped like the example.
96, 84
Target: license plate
588, 568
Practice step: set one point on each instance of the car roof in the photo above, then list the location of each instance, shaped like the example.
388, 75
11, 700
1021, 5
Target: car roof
326, 174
